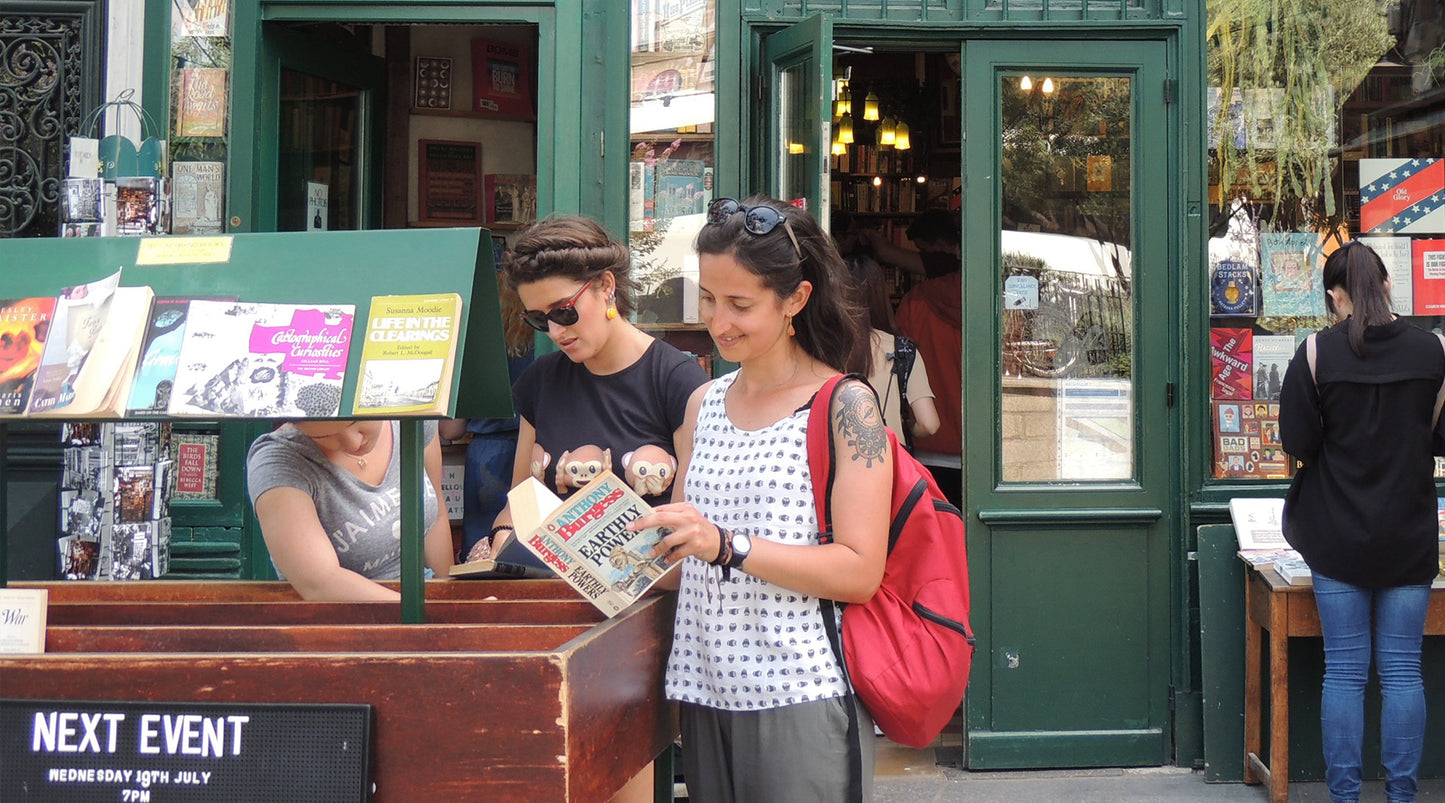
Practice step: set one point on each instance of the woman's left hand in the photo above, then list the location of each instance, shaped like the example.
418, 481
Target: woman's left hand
691, 533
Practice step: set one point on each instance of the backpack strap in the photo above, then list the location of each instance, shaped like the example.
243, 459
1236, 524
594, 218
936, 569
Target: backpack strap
905, 351
1312, 351
823, 469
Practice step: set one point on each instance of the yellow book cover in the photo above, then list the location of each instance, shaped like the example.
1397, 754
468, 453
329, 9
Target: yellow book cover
407, 355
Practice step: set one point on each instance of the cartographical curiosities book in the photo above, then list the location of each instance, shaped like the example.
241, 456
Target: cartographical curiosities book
24, 327
22, 620
198, 191
259, 360
1398, 257
408, 354
586, 541
1291, 269
91, 351
1272, 354
1231, 355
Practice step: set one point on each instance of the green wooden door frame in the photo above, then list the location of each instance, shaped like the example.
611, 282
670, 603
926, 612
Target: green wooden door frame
1101, 551
806, 47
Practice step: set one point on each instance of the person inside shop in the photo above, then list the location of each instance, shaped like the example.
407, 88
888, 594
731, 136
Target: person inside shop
935, 233
763, 703
612, 396
1362, 512
492, 446
931, 314
895, 369
327, 495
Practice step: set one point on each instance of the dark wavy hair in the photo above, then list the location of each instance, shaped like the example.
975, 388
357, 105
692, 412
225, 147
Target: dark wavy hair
572, 246
1357, 269
832, 327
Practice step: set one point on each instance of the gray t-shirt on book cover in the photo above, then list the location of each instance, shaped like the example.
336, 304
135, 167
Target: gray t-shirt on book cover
363, 520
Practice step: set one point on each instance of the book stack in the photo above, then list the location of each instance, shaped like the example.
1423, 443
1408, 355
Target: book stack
1292, 568
115, 494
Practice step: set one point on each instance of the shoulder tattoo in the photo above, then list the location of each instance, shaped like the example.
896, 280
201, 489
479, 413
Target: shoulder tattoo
860, 422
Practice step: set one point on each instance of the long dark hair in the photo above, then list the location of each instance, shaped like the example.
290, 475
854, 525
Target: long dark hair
573, 246
1357, 269
831, 327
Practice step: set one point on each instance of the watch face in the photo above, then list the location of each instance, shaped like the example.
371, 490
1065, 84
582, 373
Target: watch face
742, 543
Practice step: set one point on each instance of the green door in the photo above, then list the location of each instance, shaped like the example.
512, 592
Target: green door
325, 105
799, 114
1068, 476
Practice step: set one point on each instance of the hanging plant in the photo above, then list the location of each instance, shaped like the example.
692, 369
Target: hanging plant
1294, 63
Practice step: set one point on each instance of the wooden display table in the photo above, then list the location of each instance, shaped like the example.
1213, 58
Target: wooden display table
1284, 611
533, 696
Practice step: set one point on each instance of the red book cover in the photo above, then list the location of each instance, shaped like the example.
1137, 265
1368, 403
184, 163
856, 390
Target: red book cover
502, 78
24, 325
1232, 354
1429, 273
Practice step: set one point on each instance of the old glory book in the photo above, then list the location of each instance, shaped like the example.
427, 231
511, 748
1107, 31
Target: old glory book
24, 326
408, 355
91, 352
256, 360
585, 539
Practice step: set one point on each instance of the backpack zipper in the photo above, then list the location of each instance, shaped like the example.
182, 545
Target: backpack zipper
939, 619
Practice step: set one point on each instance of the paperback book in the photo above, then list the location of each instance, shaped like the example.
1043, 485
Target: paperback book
1291, 266
1272, 354
585, 539
1405, 196
511, 198
679, 189
22, 620
408, 355
1258, 523
1428, 275
200, 101
1397, 254
24, 327
91, 351
1232, 288
197, 193
150, 393
1231, 354
140, 206
256, 360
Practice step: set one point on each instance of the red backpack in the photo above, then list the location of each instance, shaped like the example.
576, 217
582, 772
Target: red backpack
908, 650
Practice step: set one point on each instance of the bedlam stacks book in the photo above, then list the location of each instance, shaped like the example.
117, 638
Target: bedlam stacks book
408, 355
24, 326
258, 360
91, 351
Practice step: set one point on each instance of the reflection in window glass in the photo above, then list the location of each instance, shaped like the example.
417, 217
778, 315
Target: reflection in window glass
1319, 131
319, 165
1067, 319
797, 128
670, 171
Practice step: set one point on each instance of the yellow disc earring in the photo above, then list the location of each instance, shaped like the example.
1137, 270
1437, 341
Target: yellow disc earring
611, 313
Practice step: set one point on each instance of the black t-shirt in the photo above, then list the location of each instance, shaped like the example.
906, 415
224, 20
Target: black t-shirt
624, 421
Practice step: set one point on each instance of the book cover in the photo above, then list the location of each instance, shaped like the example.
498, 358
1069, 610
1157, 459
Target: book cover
24, 327
678, 188
1291, 268
22, 620
262, 360
1258, 523
1231, 288
200, 18
585, 541
200, 101
511, 198
139, 207
407, 355
194, 456
160, 354
1272, 354
1428, 275
1292, 569
449, 182
1399, 259
90, 354
198, 190
502, 78
1231, 353
433, 82
1265, 450
1231, 444
1402, 196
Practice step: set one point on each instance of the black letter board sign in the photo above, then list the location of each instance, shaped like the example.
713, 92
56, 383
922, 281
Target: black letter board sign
78, 750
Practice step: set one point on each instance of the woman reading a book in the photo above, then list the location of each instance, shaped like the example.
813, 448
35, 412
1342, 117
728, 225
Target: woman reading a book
764, 705
328, 497
1359, 414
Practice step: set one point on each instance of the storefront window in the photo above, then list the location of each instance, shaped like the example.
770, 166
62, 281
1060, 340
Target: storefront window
200, 107
1324, 126
671, 167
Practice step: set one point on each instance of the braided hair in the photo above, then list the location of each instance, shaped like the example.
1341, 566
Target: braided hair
572, 246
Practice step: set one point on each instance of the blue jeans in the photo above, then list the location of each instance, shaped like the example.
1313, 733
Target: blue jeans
1346, 614
485, 482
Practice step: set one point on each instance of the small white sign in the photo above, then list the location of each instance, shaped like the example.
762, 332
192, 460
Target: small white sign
1021, 292
84, 157
317, 199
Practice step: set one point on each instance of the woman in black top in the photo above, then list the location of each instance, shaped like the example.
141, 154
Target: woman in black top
1362, 512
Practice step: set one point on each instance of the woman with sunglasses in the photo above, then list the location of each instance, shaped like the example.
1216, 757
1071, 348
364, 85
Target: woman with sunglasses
764, 705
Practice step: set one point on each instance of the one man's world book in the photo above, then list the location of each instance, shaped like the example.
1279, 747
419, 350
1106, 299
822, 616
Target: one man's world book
407, 355
585, 539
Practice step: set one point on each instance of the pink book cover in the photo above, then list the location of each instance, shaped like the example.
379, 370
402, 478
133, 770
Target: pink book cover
1232, 354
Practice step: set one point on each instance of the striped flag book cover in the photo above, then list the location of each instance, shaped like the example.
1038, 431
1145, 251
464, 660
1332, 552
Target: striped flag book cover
1429, 277
1403, 196
1232, 354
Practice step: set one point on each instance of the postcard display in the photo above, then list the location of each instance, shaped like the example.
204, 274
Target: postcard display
115, 493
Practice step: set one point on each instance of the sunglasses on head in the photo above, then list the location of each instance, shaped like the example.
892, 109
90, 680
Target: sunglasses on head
757, 220
563, 315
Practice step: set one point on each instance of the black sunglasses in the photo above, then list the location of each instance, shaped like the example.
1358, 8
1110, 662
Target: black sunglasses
564, 315
757, 220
